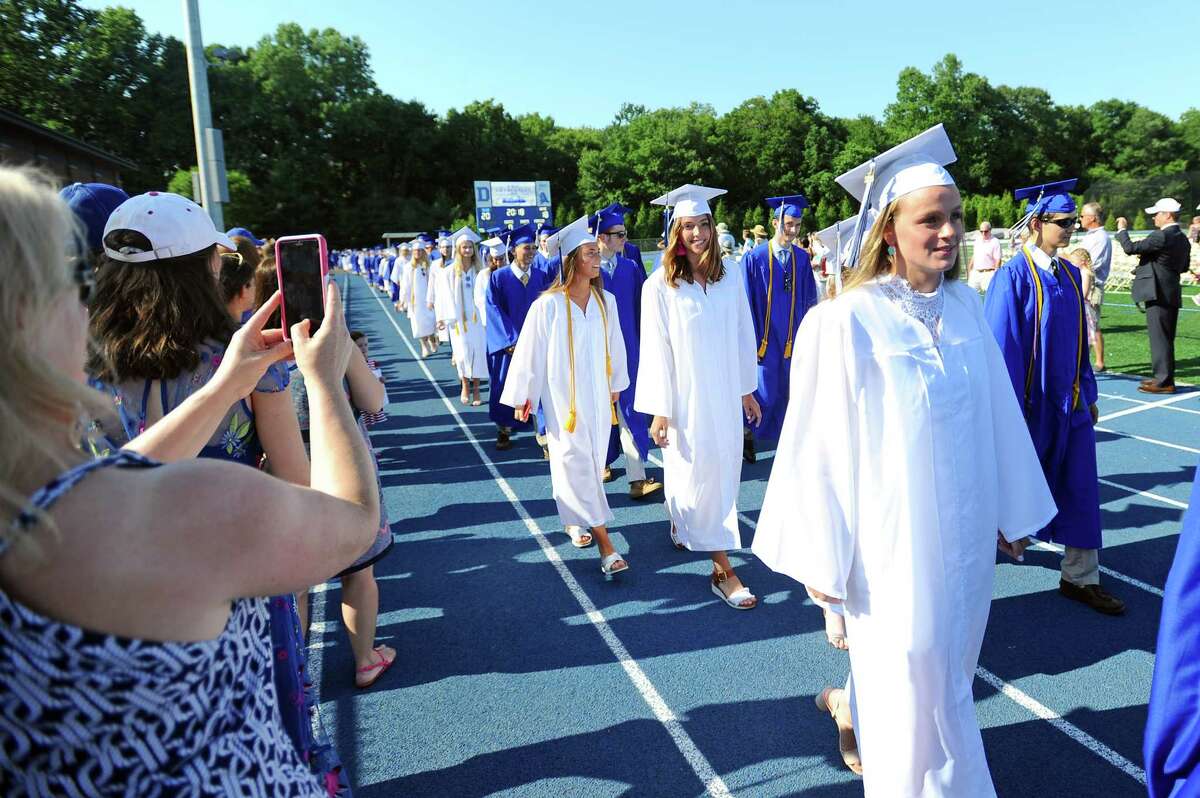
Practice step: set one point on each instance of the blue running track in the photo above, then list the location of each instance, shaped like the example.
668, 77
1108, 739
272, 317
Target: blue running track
523, 672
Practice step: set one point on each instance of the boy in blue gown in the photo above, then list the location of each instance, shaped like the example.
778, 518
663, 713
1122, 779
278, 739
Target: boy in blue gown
511, 290
1035, 309
781, 289
623, 278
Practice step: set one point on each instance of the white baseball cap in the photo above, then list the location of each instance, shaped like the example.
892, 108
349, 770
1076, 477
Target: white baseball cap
1165, 204
174, 225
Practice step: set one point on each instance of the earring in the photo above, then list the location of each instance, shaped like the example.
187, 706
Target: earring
891, 251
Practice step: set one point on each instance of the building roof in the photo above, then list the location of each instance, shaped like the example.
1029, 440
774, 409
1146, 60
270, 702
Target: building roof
8, 117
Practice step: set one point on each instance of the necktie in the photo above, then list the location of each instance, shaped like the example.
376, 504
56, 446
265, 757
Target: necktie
524, 278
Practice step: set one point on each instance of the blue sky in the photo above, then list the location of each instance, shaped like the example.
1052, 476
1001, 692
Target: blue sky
579, 62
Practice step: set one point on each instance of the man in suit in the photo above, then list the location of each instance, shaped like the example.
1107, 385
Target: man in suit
1162, 258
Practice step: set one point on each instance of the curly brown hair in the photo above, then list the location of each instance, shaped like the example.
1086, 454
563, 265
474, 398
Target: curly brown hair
148, 319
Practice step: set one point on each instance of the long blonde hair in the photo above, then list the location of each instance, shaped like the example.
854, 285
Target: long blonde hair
676, 267
38, 403
458, 264
873, 257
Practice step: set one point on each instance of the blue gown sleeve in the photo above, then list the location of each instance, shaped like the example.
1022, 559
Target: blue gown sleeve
501, 332
1004, 310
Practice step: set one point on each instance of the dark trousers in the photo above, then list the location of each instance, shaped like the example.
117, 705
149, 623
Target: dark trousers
1160, 324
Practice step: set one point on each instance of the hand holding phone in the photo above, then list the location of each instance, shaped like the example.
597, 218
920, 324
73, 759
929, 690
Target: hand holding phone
302, 266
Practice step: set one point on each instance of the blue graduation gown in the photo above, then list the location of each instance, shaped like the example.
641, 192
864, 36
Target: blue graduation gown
549, 267
625, 284
1061, 428
634, 253
507, 305
1171, 747
788, 305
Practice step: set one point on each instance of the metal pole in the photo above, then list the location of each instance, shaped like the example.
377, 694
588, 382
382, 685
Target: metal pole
210, 196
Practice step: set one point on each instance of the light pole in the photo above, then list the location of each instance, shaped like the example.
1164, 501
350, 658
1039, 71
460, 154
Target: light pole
210, 149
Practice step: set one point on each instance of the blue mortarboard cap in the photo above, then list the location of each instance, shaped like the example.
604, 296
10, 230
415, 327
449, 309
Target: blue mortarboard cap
791, 205
244, 233
424, 238
617, 207
523, 234
93, 203
1048, 197
607, 218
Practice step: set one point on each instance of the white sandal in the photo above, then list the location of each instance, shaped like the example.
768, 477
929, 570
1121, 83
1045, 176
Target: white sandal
736, 598
607, 564
577, 535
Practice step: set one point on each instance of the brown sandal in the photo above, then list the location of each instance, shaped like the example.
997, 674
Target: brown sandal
847, 742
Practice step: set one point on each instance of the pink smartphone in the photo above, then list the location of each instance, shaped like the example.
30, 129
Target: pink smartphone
302, 266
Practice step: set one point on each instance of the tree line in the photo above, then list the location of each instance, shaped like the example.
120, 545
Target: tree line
312, 143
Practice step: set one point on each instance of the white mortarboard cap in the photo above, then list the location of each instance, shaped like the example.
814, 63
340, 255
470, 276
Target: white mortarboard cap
470, 234
689, 200
836, 238
910, 166
569, 238
495, 247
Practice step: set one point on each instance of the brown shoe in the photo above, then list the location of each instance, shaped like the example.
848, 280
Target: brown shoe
607, 476
748, 453
1152, 388
1094, 596
503, 442
643, 487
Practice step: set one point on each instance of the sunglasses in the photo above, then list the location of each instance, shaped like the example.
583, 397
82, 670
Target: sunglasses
1065, 224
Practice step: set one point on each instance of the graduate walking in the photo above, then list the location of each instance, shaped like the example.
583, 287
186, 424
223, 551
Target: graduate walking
456, 311
511, 290
570, 358
624, 278
696, 379
781, 289
1036, 309
421, 318
903, 451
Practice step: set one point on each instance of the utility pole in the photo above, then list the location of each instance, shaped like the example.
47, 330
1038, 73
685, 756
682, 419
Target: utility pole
210, 148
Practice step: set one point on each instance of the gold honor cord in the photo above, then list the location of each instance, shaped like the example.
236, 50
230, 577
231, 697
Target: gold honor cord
569, 426
462, 297
1037, 326
787, 349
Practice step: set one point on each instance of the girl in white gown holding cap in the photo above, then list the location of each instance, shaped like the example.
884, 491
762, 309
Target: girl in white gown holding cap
570, 357
904, 460
453, 293
696, 378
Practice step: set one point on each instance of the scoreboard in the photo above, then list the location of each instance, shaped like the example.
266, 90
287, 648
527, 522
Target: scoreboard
512, 203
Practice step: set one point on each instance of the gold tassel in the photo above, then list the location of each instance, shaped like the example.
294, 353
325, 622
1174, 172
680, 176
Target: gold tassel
615, 421
570, 425
762, 349
787, 350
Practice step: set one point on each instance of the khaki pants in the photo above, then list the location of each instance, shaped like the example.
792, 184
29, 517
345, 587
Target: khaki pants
1081, 566
635, 469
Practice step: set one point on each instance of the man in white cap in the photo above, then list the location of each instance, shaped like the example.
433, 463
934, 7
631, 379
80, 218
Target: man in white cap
1162, 258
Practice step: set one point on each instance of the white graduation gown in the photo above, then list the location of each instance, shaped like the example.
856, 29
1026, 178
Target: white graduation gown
540, 372
454, 304
420, 317
698, 359
897, 463
481, 287
439, 285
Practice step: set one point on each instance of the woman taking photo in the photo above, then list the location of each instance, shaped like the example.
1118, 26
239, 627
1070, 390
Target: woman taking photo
903, 451
570, 358
697, 376
134, 585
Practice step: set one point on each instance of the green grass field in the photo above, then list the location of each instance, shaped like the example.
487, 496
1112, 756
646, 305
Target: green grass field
1127, 348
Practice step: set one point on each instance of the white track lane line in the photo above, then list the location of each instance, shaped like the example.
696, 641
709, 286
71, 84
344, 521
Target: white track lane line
1131, 400
1129, 411
1030, 704
1061, 724
1154, 441
714, 785
1144, 493
1129, 580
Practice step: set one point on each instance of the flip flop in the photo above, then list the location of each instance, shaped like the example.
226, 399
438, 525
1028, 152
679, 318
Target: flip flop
476, 403
577, 534
835, 631
675, 541
609, 567
847, 742
379, 667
